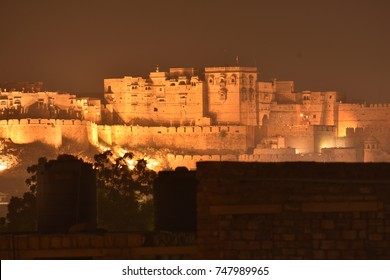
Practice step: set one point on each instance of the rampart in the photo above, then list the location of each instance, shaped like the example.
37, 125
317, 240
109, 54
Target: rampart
195, 138
83, 133
48, 131
373, 120
362, 115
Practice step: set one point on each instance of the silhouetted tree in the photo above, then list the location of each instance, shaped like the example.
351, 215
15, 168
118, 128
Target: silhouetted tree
22, 211
124, 193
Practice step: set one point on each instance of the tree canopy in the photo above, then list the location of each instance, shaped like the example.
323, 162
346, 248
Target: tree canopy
124, 192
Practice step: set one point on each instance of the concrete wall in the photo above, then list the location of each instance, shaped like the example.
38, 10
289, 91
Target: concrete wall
293, 211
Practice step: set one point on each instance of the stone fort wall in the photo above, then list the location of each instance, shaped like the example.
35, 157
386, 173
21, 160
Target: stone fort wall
83, 133
221, 138
49, 131
361, 115
374, 119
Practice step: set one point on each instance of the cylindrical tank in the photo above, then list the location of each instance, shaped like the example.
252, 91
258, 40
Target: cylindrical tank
66, 194
175, 200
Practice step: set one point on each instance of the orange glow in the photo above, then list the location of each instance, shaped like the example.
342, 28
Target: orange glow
7, 161
118, 151
3, 167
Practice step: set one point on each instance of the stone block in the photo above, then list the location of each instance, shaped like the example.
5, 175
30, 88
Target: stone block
21, 242
254, 245
267, 245
239, 245
349, 234
375, 237
327, 224
327, 245
318, 255
33, 242
248, 235
134, 240
332, 255
83, 241
288, 237
120, 240
97, 241
359, 224
68, 241
56, 242
342, 244
44, 242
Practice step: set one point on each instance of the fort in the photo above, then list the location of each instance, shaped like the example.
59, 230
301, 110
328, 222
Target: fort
217, 113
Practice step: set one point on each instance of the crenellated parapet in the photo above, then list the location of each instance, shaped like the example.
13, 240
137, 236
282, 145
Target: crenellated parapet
48, 131
195, 138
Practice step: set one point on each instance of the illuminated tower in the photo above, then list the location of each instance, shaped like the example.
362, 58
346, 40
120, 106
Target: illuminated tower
231, 94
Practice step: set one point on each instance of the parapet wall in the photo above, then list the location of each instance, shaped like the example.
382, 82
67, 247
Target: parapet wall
94, 245
83, 133
373, 120
48, 131
293, 210
207, 138
360, 115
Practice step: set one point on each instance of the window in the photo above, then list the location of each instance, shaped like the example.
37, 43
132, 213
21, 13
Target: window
314, 116
155, 109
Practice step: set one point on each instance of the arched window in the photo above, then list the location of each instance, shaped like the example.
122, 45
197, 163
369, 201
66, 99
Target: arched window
233, 79
250, 80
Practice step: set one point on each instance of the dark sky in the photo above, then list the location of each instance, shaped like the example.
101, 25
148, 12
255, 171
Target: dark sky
322, 45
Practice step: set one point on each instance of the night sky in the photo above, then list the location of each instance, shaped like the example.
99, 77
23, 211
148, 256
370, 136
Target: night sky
321, 45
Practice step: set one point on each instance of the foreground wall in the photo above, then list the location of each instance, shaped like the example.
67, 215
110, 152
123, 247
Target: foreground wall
96, 245
293, 210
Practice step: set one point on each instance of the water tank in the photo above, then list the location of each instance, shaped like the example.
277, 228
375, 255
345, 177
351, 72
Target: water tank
175, 200
66, 194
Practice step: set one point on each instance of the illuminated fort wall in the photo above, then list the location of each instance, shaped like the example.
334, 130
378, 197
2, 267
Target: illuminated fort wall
374, 121
49, 131
187, 138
